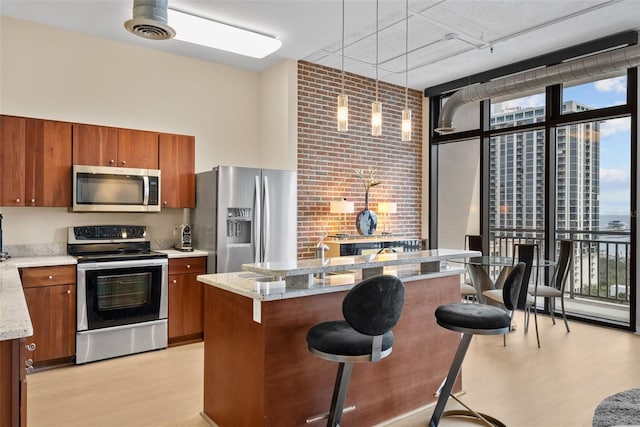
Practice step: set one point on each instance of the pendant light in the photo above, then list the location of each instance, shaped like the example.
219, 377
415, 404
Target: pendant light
343, 100
406, 113
376, 106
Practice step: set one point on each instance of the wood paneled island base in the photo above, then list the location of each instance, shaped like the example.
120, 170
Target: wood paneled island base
261, 374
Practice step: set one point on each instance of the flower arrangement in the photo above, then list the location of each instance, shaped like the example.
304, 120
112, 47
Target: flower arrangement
366, 175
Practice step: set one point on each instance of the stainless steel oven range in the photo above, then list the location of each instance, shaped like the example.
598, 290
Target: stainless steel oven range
122, 291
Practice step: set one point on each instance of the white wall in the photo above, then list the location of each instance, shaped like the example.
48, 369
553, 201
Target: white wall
278, 100
238, 117
458, 192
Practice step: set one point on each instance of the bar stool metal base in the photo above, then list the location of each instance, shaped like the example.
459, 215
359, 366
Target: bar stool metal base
486, 419
444, 391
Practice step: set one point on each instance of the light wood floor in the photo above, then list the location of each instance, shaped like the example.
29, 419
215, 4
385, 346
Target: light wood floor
557, 385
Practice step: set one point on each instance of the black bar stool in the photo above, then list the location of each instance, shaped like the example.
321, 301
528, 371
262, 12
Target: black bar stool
471, 319
371, 309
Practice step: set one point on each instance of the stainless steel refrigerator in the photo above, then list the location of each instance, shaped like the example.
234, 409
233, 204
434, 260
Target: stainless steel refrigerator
245, 215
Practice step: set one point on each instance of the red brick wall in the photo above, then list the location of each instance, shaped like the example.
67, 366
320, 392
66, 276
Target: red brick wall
327, 158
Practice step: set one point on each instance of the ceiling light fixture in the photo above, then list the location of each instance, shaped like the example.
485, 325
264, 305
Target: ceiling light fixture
406, 113
376, 106
343, 100
205, 32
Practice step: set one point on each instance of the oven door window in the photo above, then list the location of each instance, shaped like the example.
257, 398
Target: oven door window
123, 296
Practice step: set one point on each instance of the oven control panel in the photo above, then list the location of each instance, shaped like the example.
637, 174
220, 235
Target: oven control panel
108, 232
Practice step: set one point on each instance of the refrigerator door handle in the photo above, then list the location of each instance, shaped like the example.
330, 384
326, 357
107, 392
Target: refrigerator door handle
265, 219
257, 214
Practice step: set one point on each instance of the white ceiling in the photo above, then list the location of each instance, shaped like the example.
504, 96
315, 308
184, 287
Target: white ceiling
448, 39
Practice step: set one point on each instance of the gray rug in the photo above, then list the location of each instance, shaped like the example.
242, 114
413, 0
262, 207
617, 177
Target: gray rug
620, 409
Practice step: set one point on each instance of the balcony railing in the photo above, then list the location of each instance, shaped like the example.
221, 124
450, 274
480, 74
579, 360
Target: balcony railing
601, 260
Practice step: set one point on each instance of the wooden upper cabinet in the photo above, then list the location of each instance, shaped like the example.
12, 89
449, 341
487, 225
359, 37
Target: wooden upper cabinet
177, 163
35, 161
137, 149
12, 160
95, 145
48, 163
107, 146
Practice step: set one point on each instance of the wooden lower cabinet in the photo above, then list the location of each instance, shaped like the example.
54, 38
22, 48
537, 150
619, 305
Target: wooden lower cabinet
186, 300
13, 383
50, 293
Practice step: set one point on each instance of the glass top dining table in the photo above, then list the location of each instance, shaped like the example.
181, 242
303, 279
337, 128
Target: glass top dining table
479, 268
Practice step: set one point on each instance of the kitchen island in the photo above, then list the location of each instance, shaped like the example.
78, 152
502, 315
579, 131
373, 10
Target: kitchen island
258, 371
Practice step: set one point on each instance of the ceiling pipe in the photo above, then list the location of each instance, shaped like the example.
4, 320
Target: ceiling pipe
590, 66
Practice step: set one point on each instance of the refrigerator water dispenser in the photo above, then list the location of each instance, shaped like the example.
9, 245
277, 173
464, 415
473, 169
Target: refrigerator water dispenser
239, 225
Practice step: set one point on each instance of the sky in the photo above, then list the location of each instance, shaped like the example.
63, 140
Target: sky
615, 151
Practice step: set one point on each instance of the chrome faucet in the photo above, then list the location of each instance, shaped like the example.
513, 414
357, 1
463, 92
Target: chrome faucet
321, 249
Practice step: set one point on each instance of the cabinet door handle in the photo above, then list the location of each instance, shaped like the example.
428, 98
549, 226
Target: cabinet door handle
31, 347
188, 265
111, 162
68, 291
124, 162
175, 281
50, 277
33, 200
17, 200
165, 203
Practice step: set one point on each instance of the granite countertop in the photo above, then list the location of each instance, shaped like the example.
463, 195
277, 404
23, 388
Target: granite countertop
174, 253
264, 288
268, 281
311, 266
14, 315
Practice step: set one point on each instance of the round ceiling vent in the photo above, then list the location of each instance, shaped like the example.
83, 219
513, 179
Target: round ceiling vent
150, 20
149, 29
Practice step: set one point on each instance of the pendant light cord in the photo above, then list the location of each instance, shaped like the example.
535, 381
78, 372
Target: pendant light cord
406, 57
377, 50
342, 47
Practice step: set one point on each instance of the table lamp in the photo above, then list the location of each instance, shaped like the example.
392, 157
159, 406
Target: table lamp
342, 207
386, 208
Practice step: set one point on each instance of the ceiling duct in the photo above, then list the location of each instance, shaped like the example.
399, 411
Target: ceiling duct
591, 66
150, 20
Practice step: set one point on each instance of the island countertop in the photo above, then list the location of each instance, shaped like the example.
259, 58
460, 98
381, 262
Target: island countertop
272, 281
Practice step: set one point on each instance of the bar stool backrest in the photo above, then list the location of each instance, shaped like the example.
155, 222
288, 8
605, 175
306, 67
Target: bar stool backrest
373, 306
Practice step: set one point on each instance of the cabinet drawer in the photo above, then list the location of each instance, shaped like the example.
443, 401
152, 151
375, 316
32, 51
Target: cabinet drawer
47, 276
188, 265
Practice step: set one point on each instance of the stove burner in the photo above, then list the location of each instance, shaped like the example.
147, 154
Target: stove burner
110, 243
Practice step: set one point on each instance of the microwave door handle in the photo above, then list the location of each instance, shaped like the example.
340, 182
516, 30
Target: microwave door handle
257, 203
145, 193
265, 218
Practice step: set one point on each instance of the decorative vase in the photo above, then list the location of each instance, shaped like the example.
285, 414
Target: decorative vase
366, 221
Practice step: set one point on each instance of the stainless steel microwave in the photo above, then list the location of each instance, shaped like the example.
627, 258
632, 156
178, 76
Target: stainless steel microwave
111, 189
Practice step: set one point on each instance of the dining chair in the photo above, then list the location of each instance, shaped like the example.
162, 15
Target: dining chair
529, 254
555, 288
472, 242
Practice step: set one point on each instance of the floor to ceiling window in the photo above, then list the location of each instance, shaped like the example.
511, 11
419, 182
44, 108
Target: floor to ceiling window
556, 163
